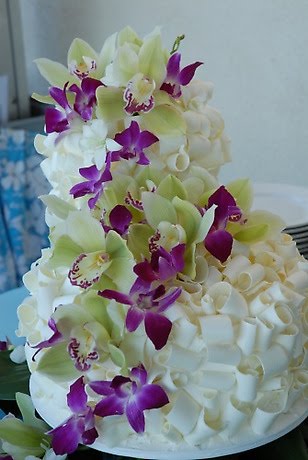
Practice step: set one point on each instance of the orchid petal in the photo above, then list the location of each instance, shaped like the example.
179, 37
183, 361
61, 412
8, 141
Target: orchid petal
88, 437
188, 73
89, 172
77, 397
66, 437
101, 387
115, 295
151, 397
169, 299
146, 139
157, 328
111, 405
219, 244
173, 66
139, 373
55, 120
135, 417
88, 268
59, 95
134, 317
120, 218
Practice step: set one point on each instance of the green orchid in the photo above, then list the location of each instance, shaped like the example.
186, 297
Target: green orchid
81, 244
21, 438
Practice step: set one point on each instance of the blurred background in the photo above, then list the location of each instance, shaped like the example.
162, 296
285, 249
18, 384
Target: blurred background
255, 52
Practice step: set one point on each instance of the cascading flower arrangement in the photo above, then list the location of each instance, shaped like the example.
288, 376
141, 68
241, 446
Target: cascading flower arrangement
147, 250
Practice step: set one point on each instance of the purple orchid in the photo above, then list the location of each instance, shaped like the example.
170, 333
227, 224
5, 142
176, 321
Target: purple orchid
120, 218
130, 396
58, 120
56, 337
218, 240
175, 77
79, 427
163, 265
148, 306
133, 142
94, 185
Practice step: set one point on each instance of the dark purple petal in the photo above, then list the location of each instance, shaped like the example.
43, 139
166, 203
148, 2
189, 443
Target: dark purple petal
56, 337
66, 437
85, 97
151, 397
133, 318
89, 436
82, 189
111, 405
143, 159
146, 139
219, 244
118, 296
188, 72
223, 199
139, 373
169, 299
177, 254
59, 95
157, 328
77, 397
120, 218
173, 66
90, 85
127, 137
101, 387
145, 271
55, 120
90, 172
135, 417
92, 201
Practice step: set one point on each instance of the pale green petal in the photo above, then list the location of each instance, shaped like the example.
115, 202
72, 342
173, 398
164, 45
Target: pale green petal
152, 61
138, 240
121, 273
54, 72
15, 432
157, 209
21, 453
96, 307
86, 231
170, 187
188, 217
27, 410
117, 356
242, 191
56, 364
110, 103
65, 252
252, 233
128, 35
190, 263
164, 120
78, 49
43, 99
107, 54
206, 223
56, 206
116, 246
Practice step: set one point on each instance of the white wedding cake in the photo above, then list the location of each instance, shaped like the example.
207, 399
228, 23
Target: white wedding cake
166, 315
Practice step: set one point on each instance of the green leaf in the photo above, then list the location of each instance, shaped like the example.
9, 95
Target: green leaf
13, 377
157, 209
56, 363
110, 104
171, 187
242, 191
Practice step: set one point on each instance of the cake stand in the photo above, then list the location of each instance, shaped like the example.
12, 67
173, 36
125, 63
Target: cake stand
47, 396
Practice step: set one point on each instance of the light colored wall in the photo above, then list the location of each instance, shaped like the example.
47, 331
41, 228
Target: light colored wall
255, 52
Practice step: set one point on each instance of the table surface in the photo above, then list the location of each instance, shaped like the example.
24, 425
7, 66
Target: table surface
9, 300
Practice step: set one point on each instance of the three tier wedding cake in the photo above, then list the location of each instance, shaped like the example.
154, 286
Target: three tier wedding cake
165, 314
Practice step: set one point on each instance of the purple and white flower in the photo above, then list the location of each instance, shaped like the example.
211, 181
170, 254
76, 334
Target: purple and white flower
147, 306
175, 78
120, 218
138, 94
80, 427
94, 185
133, 143
130, 396
218, 240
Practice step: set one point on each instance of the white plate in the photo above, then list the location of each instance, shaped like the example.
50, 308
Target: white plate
49, 399
288, 201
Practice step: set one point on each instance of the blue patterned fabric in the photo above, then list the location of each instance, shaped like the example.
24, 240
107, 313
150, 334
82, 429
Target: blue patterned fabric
23, 231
